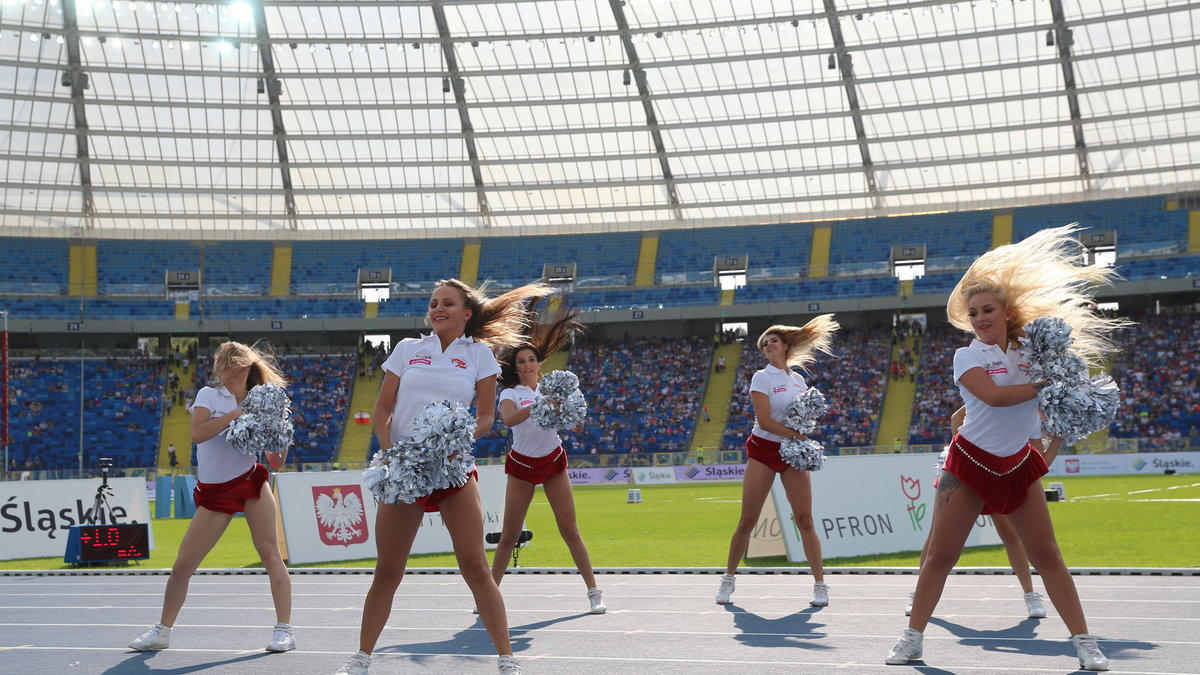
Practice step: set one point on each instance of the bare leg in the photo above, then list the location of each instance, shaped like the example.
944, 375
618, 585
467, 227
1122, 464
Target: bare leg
260, 518
202, 534
954, 513
798, 487
1015, 551
463, 514
517, 497
562, 502
756, 484
396, 527
1032, 523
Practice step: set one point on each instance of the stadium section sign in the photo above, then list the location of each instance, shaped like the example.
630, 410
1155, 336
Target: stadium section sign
36, 515
871, 504
328, 516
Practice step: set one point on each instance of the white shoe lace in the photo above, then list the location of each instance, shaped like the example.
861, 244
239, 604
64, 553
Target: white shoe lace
1088, 649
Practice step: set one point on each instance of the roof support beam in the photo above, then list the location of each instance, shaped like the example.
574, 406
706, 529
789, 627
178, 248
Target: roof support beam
273, 88
1063, 38
639, 76
455, 81
845, 64
74, 77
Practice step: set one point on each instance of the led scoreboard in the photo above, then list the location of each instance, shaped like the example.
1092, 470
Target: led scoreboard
107, 543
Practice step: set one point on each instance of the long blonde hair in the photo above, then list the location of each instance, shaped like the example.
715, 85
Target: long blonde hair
804, 342
260, 357
502, 321
1042, 275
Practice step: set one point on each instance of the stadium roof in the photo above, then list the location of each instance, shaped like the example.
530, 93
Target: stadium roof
327, 118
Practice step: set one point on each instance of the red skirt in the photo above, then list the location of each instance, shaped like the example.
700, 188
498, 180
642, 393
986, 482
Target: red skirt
536, 470
1002, 482
766, 452
431, 502
230, 497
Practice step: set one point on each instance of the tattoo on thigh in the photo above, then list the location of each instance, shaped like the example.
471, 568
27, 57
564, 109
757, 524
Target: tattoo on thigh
947, 484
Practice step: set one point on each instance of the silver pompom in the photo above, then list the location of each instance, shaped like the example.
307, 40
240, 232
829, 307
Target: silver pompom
802, 454
801, 415
1075, 404
265, 424
558, 384
562, 405
436, 456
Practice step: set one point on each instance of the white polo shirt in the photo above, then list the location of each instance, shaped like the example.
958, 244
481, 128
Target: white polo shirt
528, 438
1001, 430
216, 460
428, 374
780, 386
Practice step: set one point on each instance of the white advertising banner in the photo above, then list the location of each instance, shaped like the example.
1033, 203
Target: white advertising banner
1130, 463
36, 515
654, 475
871, 504
329, 516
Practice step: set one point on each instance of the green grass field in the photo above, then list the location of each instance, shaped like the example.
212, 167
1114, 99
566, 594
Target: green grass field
1108, 521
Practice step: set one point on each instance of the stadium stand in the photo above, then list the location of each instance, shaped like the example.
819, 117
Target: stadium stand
122, 404
630, 412
325, 266
601, 259
937, 396
1158, 370
43, 268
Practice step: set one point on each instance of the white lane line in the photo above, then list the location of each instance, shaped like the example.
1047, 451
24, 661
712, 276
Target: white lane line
616, 660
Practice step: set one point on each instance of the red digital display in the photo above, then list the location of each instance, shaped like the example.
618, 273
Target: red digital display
99, 543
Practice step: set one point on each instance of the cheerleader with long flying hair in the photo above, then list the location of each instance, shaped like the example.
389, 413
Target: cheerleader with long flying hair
537, 456
455, 362
996, 460
771, 390
228, 482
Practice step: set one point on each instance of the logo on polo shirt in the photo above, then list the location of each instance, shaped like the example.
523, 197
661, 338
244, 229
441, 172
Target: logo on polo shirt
780, 389
526, 401
459, 363
421, 358
1024, 368
996, 368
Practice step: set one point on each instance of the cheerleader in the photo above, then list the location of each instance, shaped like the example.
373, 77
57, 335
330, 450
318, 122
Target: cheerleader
1034, 607
228, 482
771, 390
995, 461
455, 363
537, 456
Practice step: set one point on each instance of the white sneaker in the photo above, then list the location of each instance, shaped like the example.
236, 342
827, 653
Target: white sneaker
596, 601
1033, 603
508, 665
1088, 651
909, 648
284, 639
726, 589
820, 595
158, 637
357, 665
908, 607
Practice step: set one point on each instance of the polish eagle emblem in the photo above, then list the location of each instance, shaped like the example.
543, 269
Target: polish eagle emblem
340, 514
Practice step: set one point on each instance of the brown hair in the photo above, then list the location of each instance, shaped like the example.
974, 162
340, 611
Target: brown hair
543, 339
260, 357
803, 342
502, 321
